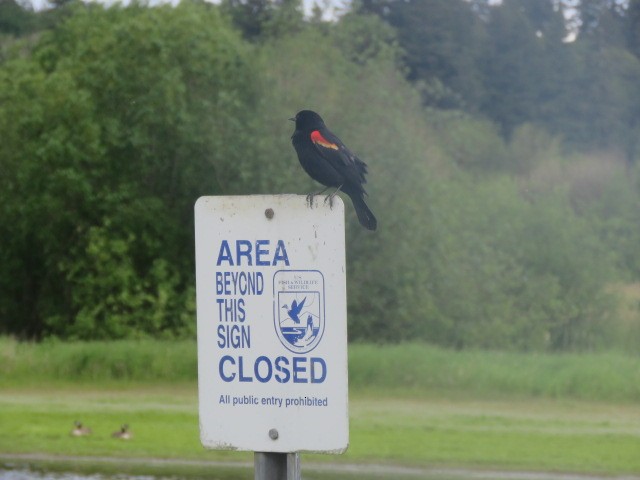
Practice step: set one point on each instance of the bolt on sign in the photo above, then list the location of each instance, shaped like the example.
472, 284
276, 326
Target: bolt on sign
272, 326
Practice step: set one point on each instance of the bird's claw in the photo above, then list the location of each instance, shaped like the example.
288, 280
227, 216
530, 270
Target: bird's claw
310, 199
329, 198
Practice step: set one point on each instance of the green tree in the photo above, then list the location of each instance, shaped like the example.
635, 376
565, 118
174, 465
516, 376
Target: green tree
374, 110
16, 18
125, 119
455, 260
260, 19
442, 41
632, 27
602, 109
121, 117
49, 155
514, 67
512, 273
615, 216
602, 21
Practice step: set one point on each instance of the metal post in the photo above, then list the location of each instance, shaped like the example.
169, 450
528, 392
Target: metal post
293, 466
276, 466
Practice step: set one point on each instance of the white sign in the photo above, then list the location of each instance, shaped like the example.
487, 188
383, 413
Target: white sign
272, 326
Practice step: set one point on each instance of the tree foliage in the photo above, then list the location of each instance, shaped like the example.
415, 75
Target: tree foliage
496, 229
514, 61
107, 144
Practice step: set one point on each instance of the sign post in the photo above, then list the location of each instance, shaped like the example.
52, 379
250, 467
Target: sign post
272, 330
277, 466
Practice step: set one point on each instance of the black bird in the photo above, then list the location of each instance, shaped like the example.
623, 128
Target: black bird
328, 161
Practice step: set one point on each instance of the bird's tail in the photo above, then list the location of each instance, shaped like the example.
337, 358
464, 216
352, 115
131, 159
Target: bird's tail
365, 216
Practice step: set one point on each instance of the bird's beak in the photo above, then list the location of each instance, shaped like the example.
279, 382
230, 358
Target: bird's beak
292, 119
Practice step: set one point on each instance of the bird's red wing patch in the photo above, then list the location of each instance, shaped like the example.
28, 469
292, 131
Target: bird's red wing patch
318, 139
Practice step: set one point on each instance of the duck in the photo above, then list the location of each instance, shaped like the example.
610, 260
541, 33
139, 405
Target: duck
295, 310
80, 430
124, 433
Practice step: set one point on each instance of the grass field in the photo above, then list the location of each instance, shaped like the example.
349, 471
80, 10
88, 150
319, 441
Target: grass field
543, 435
407, 371
410, 405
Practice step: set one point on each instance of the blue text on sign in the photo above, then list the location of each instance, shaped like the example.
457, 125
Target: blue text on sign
282, 370
258, 253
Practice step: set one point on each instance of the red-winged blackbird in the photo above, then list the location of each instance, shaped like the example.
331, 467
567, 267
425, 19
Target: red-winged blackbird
326, 159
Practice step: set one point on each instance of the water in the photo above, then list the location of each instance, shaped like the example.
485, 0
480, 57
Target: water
22, 473
345, 472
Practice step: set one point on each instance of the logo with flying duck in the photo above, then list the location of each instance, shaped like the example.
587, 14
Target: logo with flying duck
299, 309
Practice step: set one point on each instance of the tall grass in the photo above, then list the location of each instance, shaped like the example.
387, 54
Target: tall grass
418, 368
405, 370
130, 360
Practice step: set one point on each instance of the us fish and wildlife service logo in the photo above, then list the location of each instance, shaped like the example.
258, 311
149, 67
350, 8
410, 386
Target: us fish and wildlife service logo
299, 309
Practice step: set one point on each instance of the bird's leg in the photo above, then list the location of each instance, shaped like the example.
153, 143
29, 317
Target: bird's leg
330, 197
311, 195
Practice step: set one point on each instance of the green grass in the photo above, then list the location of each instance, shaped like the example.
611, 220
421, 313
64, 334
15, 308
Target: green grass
409, 405
126, 360
525, 435
419, 369
408, 371
543, 435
